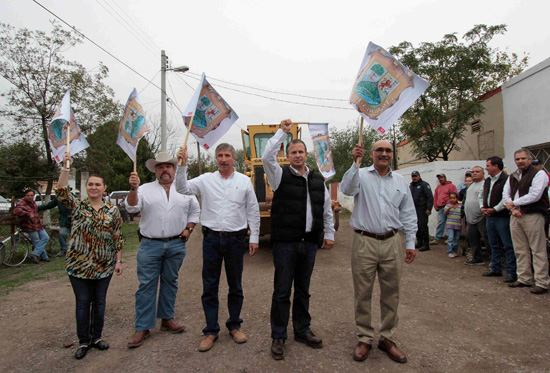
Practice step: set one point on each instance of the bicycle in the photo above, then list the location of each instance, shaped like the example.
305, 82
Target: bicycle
16, 248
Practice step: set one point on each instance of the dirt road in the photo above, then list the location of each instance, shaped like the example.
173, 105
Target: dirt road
451, 319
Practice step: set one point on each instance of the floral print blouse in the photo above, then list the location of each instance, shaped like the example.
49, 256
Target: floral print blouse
96, 236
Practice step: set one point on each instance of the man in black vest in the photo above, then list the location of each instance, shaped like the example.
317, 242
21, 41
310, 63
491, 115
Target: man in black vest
526, 196
498, 221
300, 211
423, 201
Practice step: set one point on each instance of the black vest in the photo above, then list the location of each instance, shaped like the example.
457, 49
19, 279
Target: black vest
496, 195
522, 186
288, 211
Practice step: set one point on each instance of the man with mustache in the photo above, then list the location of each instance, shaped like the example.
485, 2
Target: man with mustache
301, 210
385, 225
526, 197
167, 220
229, 204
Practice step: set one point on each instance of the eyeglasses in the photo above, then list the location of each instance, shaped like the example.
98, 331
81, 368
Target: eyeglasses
382, 150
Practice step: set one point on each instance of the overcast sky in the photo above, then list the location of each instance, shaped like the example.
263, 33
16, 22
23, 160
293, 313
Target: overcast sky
311, 48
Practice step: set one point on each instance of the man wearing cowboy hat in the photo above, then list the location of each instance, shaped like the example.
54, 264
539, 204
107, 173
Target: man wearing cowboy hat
167, 220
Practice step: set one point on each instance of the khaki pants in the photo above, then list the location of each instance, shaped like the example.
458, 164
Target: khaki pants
370, 256
528, 237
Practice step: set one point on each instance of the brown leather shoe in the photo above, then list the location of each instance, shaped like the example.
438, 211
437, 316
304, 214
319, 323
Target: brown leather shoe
392, 351
138, 338
278, 349
309, 339
172, 326
518, 284
539, 290
238, 336
361, 351
207, 343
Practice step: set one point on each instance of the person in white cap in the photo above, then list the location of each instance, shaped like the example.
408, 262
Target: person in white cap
167, 220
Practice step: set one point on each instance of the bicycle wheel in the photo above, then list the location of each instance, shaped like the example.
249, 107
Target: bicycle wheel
16, 252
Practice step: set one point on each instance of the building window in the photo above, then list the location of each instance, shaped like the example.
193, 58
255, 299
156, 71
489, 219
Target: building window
542, 153
476, 126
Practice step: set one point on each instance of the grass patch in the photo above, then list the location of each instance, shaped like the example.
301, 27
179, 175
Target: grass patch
12, 277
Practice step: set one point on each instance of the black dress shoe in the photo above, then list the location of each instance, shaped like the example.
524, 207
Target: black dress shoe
278, 349
538, 290
510, 278
309, 339
100, 345
424, 248
81, 352
518, 284
492, 274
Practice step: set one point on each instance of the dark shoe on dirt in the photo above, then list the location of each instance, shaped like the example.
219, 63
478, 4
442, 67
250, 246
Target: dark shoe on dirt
518, 284
492, 274
81, 352
278, 349
510, 278
34, 258
172, 326
424, 248
361, 351
309, 339
538, 290
100, 345
474, 263
392, 351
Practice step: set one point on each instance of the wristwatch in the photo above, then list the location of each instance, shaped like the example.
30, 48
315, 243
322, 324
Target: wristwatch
190, 229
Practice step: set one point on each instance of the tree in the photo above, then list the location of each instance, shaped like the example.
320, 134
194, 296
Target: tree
33, 62
459, 74
108, 159
342, 143
22, 165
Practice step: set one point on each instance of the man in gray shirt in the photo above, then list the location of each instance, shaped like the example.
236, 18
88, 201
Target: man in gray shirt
474, 217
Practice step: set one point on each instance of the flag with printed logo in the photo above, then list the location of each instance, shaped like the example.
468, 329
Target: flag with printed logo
321, 146
64, 121
132, 126
212, 115
384, 88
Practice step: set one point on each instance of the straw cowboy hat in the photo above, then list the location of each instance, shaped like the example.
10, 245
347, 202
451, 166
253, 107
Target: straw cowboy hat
162, 157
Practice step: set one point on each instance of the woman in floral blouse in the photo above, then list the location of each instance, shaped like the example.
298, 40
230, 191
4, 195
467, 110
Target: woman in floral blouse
94, 254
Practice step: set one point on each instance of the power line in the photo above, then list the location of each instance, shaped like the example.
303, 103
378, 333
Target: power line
278, 99
148, 47
149, 82
152, 42
270, 91
94, 43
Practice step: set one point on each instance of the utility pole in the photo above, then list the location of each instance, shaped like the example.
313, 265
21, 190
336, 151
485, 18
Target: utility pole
163, 61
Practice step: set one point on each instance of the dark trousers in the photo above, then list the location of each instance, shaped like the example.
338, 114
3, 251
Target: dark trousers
422, 234
293, 261
500, 239
215, 250
475, 233
90, 308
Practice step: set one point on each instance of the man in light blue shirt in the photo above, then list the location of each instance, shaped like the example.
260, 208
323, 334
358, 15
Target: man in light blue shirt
385, 224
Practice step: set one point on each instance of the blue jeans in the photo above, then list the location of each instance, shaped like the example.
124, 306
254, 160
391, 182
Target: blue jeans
90, 308
215, 250
39, 240
453, 236
441, 221
293, 261
63, 232
157, 260
500, 239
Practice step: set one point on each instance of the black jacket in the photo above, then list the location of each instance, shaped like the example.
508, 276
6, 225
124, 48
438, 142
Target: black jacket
422, 195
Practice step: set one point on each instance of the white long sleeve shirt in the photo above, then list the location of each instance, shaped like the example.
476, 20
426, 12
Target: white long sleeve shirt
382, 203
162, 217
227, 204
274, 174
540, 181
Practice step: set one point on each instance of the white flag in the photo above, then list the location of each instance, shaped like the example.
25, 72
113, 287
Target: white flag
57, 131
384, 89
212, 115
132, 126
321, 145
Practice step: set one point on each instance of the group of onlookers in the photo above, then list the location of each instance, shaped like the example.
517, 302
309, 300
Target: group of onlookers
508, 213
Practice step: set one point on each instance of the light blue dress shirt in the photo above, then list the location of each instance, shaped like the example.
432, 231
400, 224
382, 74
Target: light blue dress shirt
382, 203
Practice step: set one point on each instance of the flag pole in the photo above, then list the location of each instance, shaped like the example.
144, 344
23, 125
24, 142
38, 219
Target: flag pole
187, 135
68, 143
135, 167
358, 161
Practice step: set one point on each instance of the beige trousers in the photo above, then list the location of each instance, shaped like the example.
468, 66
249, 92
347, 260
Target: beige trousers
528, 237
371, 256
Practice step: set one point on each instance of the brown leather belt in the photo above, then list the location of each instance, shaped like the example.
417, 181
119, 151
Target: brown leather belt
380, 237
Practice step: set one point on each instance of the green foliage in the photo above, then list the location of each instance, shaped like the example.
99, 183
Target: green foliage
106, 158
33, 62
21, 166
459, 73
207, 164
342, 143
